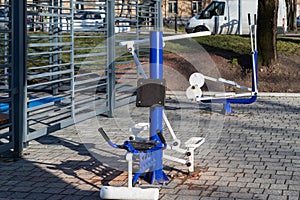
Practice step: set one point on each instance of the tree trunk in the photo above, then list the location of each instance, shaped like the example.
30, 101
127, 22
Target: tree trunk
291, 6
266, 36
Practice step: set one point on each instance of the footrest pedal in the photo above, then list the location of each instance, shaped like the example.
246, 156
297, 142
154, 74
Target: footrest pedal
194, 142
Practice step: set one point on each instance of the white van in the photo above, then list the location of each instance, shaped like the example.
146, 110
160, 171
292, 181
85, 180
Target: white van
231, 17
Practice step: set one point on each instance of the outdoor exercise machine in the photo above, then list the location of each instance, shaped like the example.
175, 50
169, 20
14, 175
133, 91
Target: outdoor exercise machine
150, 93
194, 142
197, 80
150, 151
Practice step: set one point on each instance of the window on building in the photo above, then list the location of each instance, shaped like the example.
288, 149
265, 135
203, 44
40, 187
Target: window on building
196, 6
172, 7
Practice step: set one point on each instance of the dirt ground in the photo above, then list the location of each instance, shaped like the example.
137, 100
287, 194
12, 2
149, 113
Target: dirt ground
281, 77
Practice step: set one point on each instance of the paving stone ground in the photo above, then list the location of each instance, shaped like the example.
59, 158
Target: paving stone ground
252, 154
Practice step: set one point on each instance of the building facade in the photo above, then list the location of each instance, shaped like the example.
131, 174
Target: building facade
183, 8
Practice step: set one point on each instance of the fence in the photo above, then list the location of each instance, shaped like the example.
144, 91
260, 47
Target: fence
68, 61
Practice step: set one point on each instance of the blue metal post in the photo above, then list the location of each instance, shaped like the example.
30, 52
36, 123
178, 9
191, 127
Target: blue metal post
255, 71
156, 112
227, 109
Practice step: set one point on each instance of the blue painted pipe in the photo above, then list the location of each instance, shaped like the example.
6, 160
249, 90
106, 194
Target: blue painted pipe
156, 112
255, 71
4, 107
156, 72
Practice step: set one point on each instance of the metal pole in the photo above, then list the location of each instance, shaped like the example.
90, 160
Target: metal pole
159, 16
239, 17
176, 28
72, 6
156, 112
156, 72
55, 56
18, 43
110, 57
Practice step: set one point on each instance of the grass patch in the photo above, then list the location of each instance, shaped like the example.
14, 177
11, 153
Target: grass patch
288, 46
84, 43
239, 45
225, 43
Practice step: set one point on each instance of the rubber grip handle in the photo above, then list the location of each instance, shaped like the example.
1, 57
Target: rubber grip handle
249, 19
161, 137
104, 135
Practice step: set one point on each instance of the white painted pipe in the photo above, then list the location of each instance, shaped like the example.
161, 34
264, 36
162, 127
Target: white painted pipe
225, 96
222, 80
167, 38
172, 158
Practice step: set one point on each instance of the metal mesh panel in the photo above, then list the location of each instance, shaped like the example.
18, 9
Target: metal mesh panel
76, 68
125, 68
49, 67
6, 105
142, 17
66, 63
90, 57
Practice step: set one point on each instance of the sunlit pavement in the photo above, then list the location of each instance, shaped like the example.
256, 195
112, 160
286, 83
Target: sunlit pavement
256, 155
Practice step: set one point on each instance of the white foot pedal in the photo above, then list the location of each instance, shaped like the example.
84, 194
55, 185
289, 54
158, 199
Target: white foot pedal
194, 142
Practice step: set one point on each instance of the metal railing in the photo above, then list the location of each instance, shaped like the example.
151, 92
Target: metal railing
73, 67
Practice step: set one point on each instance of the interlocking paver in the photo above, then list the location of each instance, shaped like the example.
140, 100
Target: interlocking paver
278, 197
228, 189
293, 198
255, 156
256, 191
278, 186
38, 196
295, 187
189, 192
219, 194
241, 195
168, 197
237, 184
274, 192
253, 185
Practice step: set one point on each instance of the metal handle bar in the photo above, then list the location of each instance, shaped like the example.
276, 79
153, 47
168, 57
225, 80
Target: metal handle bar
161, 137
249, 19
107, 139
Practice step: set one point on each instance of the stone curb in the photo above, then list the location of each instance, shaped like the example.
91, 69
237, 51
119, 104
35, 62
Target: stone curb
271, 94
260, 94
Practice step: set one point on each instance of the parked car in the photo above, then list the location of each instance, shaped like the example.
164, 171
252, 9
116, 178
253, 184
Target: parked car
298, 21
3, 19
93, 20
85, 20
88, 20
231, 17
